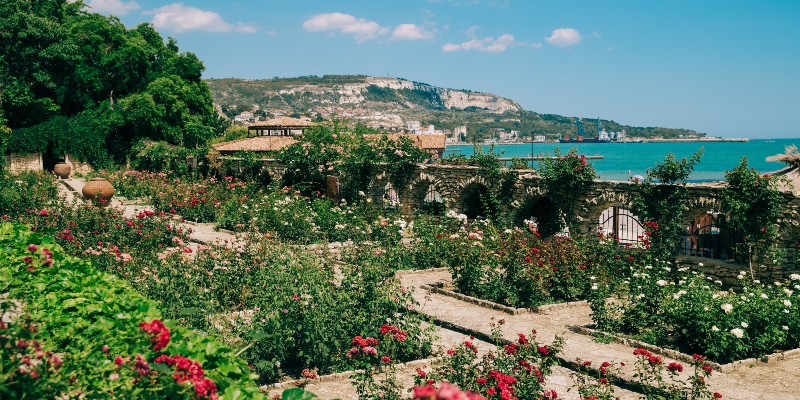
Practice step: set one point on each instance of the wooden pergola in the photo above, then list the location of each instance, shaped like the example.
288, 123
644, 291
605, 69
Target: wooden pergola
280, 126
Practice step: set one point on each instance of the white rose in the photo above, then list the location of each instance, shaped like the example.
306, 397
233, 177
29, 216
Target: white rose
727, 307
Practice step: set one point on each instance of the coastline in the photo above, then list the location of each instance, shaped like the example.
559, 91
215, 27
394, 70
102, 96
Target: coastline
652, 140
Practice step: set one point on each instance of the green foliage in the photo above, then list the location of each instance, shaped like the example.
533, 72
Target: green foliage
661, 199
81, 83
566, 179
76, 311
163, 157
311, 159
25, 191
752, 202
496, 197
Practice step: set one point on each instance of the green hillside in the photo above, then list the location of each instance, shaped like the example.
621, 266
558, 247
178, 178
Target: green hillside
355, 94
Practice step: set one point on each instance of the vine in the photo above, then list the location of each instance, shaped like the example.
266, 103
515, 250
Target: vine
565, 178
753, 204
660, 203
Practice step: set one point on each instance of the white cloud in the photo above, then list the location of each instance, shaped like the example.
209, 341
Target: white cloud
564, 37
488, 44
180, 18
346, 24
411, 32
116, 7
536, 45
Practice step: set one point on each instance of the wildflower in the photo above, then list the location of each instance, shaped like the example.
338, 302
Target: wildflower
727, 307
661, 282
737, 332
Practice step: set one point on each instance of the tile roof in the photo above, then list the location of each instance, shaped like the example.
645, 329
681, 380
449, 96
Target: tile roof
258, 143
425, 142
282, 122
274, 143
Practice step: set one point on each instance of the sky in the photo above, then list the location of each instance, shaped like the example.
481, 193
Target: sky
729, 68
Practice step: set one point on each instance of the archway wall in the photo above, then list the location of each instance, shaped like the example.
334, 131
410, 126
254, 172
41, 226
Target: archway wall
452, 180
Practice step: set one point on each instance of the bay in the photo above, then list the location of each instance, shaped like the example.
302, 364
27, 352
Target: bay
623, 160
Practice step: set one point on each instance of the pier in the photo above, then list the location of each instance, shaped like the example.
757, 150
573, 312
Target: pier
509, 160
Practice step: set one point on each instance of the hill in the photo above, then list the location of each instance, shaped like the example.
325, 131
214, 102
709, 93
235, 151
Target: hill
390, 103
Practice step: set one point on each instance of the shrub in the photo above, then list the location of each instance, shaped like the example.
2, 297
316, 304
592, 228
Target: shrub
91, 324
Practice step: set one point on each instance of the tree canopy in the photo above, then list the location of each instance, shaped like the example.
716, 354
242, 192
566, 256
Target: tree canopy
71, 81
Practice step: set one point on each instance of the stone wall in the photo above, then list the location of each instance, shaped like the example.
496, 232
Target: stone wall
455, 183
16, 162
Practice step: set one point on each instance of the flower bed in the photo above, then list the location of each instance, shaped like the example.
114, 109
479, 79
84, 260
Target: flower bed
689, 312
514, 267
84, 332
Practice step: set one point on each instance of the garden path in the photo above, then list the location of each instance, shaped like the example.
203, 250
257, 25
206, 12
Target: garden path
775, 380
202, 233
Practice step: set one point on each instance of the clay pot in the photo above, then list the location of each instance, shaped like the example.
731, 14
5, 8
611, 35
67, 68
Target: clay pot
62, 170
99, 191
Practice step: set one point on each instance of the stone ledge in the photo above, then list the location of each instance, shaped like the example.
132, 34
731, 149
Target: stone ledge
439, 289
779, 355
341, 376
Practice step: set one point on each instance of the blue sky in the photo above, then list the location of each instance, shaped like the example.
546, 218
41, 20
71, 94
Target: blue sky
729, 68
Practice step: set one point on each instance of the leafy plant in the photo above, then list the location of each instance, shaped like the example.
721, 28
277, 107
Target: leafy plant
661, 199
565, 179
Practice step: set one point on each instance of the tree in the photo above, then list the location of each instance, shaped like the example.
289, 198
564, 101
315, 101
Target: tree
61, 66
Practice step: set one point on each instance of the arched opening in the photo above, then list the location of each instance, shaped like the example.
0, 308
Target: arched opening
473, 201
391, 200
542, 212
619, 223
433, 203
707, 235
50, 158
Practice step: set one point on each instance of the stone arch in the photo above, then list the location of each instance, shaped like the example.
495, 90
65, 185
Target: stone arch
542, 211
470, 201
377, 186
428, 193
390, 198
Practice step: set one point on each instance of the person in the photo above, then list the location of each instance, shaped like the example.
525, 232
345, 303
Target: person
694, 239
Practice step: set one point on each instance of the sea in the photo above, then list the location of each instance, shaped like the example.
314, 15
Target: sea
621, 161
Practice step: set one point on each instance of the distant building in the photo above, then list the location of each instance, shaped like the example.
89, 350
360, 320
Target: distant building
244, 117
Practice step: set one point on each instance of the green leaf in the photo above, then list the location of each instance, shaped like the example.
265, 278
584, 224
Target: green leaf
191, 311
297, 394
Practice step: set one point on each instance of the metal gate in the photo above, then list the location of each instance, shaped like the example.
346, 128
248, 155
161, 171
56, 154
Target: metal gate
619, 223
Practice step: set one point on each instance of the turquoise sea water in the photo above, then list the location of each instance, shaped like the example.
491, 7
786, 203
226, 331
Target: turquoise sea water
619, 158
